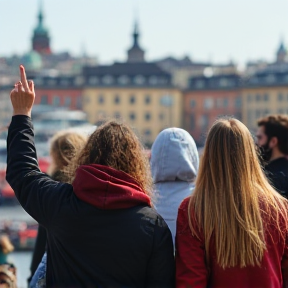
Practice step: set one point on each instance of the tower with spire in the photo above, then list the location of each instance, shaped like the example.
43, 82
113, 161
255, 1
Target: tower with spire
41, 39
135, 53
281, 55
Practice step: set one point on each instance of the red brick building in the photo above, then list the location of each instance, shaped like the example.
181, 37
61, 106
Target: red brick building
208, 98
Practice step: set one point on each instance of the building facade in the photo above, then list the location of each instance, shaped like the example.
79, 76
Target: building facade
141, 94
209, 98
59, 91
265, 93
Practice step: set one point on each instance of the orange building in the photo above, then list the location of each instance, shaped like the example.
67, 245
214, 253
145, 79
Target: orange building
208, 98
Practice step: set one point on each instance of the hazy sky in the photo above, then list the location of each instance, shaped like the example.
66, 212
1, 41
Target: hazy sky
206, 30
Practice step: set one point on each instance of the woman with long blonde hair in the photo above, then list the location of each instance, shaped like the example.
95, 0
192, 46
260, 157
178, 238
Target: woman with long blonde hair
232, 232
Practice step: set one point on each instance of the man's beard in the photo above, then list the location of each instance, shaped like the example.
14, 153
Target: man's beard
265, 152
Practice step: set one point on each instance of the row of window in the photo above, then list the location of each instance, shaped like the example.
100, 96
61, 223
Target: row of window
125, 80
134, 116
56, 101
253, 115
166, 100
106, 80
222, 82
210, 103
266, 97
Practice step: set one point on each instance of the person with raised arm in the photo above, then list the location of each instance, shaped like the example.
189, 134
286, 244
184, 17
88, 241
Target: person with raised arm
101, 228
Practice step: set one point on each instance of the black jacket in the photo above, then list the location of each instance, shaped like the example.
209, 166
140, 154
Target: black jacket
277, 173
90, 246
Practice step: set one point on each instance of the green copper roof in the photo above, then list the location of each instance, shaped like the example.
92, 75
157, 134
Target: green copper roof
40, 29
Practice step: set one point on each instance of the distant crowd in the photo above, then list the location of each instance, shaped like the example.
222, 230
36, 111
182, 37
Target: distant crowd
111, 215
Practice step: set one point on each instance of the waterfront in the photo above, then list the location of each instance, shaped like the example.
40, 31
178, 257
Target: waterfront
21, 259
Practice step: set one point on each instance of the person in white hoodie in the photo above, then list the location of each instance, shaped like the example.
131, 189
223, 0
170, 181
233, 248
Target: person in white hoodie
174, 164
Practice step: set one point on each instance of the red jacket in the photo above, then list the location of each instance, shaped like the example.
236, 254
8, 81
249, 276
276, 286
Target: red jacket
191, 270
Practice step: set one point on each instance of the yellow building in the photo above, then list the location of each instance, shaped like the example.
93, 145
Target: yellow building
264, 93
138, 93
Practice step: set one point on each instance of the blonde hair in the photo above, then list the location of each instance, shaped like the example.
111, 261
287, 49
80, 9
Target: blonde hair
114, 144
64, 146
6, 244
231, 197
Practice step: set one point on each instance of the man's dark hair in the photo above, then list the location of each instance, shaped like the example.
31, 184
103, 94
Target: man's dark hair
276, 126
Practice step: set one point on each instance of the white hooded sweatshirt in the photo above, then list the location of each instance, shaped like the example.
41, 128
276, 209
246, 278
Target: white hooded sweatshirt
174, 164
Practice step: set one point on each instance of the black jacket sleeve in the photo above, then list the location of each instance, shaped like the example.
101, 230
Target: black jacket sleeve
39, 249
37, 193
161, 267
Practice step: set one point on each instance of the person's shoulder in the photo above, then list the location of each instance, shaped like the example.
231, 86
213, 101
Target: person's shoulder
184, 204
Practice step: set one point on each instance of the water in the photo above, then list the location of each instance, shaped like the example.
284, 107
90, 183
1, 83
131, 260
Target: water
22, 262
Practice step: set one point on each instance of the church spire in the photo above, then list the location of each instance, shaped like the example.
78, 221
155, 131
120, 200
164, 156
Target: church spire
41, 39
40, 14
135, 53
136, 35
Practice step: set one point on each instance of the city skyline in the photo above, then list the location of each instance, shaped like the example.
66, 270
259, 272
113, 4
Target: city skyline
204, 31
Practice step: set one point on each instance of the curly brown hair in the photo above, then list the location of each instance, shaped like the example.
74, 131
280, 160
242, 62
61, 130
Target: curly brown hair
114, 144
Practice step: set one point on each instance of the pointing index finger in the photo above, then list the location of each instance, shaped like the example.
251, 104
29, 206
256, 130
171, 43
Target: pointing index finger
23, 78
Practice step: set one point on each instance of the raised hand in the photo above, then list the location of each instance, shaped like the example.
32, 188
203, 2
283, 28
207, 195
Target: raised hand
23, 95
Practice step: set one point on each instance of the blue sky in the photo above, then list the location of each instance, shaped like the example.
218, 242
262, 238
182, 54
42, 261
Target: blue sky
206, 30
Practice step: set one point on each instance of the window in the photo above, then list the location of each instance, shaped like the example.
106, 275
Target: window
117, 99
132, 99
208, 103
258, 97
67, 101
139, 80
204, 122
64, 82
225, 102
249, 98
44, 99
161, 116
280, 97
266, 97
199, 84
123, 80
192, 122
192, 103
52, 82
147, 116
56, 101
100, 99
132, 116
238, 102
107, 79
147, 132
270, 78
79, 80
93, 80
147, 99
153, 80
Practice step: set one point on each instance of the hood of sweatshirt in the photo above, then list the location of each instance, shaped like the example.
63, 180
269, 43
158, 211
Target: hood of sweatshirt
174, 156
107, 188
